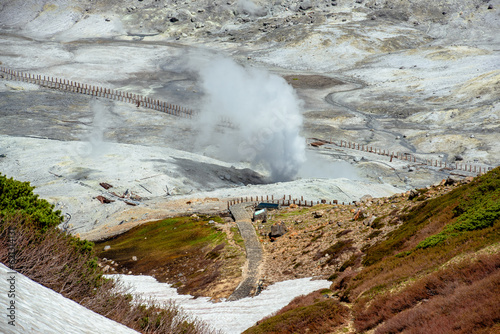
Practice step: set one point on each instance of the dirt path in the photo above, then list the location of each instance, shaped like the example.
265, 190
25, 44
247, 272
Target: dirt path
242, 216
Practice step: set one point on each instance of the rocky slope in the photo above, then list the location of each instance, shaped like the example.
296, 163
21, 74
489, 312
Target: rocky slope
330, 239
419, 267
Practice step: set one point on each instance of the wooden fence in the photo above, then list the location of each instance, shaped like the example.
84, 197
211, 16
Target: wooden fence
92, 90
471, 168
283, 201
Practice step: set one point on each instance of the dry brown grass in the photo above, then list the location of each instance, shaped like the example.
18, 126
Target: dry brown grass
468, 309
312, 313
467, 291
301, 301
68, 266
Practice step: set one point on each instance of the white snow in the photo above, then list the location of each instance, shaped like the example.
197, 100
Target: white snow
230, 317
41, 310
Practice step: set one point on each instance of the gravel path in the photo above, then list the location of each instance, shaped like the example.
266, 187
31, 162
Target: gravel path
242, 216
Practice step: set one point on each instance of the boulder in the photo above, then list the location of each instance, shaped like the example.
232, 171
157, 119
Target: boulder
260, 215
413, 194
450, 181
277, 230
359, 214
366, 198
319, 214
369, 222
305, 5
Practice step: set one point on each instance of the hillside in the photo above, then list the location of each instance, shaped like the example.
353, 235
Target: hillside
42, 310
430, 265
38, 257
427, 258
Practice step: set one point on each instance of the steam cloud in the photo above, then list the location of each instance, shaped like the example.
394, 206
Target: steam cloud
93, 144
264, 109
248, 6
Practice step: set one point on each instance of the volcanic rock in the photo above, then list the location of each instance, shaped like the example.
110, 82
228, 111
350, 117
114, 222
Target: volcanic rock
277, 230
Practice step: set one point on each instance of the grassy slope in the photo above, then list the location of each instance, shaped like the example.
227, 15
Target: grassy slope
68, 265
185, 251
439, 271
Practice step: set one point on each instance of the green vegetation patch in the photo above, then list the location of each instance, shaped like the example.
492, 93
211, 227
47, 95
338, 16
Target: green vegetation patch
237, 236
353, 261
480, 209
293, 213
377, 223
374, 234
155, 243
17, 197
461, 221
439, 212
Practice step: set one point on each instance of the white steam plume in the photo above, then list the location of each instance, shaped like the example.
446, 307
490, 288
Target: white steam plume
93, 144
250, 7
265, 110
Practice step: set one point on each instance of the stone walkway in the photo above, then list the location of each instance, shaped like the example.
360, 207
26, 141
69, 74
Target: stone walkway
243, 217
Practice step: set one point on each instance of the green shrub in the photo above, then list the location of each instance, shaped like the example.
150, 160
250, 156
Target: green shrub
432, 241
377, 223
374, 234
351, 262
17, 196
479, 209
482, 215
333, 277
68, 265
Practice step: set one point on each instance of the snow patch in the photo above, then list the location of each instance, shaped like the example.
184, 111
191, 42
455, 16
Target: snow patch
41, 310
230, 317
